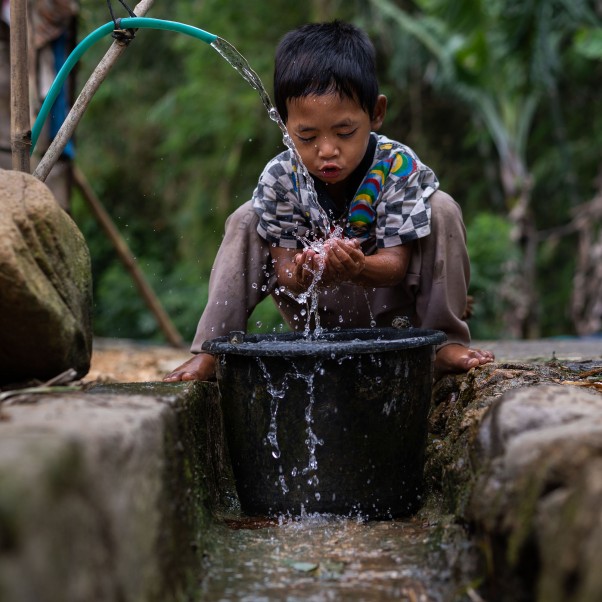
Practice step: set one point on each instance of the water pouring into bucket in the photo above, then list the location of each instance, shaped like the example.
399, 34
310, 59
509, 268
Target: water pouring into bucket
332, 416
335, 424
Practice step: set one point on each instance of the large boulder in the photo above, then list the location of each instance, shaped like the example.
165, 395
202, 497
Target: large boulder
45, 285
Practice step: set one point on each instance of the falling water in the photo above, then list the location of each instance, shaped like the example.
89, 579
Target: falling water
276, 393
240, 63
312, 440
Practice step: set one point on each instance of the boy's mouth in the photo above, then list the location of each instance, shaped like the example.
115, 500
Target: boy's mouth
329, 172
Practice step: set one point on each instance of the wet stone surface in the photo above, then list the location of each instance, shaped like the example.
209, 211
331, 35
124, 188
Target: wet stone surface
424, 558
328, 557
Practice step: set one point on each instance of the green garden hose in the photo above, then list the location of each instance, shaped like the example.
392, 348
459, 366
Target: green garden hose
90, 40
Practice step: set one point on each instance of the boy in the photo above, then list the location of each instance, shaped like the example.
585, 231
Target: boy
403, 252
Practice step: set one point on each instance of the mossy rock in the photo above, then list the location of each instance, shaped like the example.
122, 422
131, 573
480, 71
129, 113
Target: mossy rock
45, 285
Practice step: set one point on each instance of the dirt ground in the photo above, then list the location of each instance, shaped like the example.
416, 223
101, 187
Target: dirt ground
117, 360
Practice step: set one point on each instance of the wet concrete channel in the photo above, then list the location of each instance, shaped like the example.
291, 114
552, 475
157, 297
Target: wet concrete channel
426, 558
326, 557
322, 546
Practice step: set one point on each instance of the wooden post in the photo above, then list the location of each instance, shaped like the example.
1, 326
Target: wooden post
128, 260
83, 100
20, 125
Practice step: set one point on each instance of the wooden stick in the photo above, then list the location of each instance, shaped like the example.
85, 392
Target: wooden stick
20, 125
128, 259
99, 74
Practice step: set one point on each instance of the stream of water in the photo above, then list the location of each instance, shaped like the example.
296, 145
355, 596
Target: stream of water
321, 223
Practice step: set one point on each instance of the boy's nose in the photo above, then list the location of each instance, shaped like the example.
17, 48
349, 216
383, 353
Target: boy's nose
327, 148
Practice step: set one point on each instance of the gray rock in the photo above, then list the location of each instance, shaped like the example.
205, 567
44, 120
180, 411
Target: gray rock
525, 416
45, 285
569, 531
538, 496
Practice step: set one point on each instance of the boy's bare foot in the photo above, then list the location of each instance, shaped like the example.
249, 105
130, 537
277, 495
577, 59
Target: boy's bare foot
457, 358
198, 367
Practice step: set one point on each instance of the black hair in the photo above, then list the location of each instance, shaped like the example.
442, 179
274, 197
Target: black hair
321, 58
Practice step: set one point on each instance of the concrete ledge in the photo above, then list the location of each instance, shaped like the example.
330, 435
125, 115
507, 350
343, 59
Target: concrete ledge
104, 495
516, 453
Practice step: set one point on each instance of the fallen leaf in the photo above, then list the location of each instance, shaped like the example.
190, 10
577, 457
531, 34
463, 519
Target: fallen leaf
304, 567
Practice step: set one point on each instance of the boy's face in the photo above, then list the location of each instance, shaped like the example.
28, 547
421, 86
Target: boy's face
331, 133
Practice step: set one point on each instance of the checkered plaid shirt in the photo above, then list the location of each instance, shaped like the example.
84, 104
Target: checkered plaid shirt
391, 207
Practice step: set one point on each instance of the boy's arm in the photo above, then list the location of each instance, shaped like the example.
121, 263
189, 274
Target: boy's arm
289, 273
386, 267
343, 261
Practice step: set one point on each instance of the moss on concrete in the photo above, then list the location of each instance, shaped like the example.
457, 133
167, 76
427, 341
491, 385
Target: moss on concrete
108, 494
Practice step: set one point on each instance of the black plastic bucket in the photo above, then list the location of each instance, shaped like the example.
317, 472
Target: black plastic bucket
336, 424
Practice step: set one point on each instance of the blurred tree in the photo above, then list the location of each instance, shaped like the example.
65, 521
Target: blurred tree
502, 59
175, 139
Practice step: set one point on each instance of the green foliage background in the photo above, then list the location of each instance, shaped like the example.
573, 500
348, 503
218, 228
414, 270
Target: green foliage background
175, 139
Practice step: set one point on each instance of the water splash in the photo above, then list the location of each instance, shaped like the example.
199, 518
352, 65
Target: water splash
312, 440
276, 394
372, 320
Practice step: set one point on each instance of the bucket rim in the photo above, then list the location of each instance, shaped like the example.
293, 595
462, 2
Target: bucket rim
333, 343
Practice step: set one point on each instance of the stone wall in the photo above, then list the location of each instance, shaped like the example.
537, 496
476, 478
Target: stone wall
516, 455
106, 495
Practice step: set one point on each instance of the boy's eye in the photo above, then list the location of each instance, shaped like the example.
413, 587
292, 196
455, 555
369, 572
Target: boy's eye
306, 139
347, 134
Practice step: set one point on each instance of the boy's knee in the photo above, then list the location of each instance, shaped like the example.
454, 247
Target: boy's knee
444, 208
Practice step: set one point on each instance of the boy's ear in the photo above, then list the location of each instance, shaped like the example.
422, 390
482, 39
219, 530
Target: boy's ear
380, 110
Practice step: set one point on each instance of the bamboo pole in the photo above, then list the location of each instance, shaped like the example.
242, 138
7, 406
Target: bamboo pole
127, 258
20, 124
99, 74
56, 149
